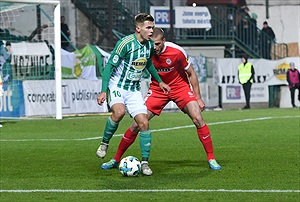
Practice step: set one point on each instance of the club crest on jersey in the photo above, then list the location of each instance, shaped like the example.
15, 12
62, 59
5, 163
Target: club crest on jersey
115, 59
139, 63
168, 61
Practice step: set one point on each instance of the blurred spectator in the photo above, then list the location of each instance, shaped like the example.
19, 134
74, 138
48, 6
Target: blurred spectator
253, 32
293, 79
5, 58
267, 38
1, 92
245, 12
66, 34
244, 31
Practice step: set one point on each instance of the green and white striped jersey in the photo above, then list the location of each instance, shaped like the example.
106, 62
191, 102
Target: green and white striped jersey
130, 58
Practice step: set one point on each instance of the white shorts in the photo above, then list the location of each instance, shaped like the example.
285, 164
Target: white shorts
133, 101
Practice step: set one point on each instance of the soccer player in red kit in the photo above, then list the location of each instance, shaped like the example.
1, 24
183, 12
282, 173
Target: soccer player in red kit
173, 67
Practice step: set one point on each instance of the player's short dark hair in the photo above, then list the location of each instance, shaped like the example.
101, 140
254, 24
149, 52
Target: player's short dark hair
142, 17
158, 31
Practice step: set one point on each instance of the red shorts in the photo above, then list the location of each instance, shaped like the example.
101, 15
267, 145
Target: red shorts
156, 100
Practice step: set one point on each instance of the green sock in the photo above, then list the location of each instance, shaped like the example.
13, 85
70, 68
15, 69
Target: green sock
145, 144
109, 130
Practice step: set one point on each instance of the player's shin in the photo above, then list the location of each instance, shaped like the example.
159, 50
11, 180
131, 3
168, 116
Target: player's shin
204, 137
145, 144
127, 140
109, 130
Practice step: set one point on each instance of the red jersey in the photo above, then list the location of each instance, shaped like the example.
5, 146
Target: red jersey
171, 65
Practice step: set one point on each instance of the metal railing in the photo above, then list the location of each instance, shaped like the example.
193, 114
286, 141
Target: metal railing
230, 28
240, 34
122, 13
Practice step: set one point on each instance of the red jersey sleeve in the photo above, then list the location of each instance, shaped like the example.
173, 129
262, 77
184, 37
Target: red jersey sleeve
183, 59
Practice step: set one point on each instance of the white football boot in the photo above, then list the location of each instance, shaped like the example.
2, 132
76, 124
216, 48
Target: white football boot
146, 169
101, 151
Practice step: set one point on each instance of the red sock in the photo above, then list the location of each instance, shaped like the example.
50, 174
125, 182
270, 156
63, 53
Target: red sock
127, 140
204, 137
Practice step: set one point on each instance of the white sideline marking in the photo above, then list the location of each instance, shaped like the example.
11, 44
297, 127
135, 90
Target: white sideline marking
155, 130
147, 190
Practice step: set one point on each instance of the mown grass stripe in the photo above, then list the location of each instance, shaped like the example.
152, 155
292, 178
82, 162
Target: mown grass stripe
155, 130
147, 190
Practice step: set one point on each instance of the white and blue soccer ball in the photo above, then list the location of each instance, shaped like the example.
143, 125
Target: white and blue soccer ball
130, 166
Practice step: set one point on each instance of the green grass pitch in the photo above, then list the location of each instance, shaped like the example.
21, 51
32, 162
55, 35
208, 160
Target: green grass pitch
55, 160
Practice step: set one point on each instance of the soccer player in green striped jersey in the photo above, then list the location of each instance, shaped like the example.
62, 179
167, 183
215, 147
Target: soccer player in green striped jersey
121, 85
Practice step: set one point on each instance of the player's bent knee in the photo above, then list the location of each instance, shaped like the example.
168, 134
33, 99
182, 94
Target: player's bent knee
198, 121
118, 115
134, 128
143, 125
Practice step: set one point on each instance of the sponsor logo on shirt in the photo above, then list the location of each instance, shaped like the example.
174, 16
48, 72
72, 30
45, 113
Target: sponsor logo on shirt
139, 63
134, 76
164, 69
